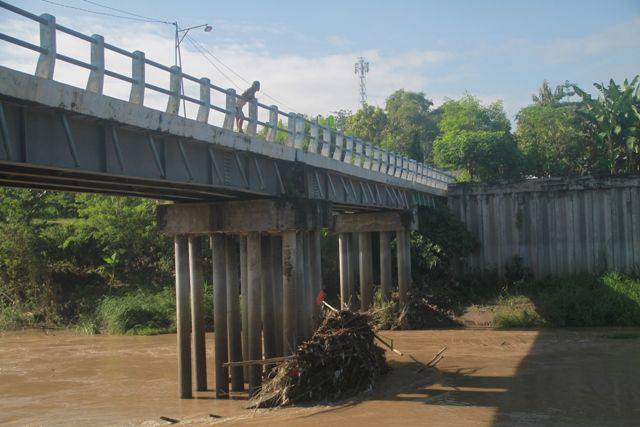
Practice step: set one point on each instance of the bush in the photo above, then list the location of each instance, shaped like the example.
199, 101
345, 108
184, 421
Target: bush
139, 313
516, 312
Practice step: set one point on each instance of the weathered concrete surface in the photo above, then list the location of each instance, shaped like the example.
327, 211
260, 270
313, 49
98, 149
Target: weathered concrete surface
243, 216
558, 227
374, 221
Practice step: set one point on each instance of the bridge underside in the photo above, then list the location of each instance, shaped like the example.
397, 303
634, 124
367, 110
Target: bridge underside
59, 137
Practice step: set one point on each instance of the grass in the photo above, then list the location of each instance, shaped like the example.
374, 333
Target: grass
140, 313
608, 300
622, 335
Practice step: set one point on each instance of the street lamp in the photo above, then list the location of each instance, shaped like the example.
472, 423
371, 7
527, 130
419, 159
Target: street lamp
178, 55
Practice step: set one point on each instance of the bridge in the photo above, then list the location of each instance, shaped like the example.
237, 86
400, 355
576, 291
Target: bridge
261, 203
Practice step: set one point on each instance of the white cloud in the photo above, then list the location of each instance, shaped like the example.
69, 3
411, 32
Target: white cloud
306, 84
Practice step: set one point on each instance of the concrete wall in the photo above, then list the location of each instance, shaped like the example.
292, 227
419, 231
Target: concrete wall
557, 226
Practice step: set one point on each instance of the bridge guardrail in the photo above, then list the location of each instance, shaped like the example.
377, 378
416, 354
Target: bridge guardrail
318, 139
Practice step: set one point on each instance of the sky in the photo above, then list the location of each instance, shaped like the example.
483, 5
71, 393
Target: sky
303, 53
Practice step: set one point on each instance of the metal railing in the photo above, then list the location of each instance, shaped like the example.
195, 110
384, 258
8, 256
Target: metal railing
300, 132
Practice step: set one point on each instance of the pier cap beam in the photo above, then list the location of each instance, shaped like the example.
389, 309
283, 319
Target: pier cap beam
263, 216
374, 221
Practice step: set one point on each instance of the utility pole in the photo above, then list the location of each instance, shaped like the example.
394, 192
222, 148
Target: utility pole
361, 70
180, 34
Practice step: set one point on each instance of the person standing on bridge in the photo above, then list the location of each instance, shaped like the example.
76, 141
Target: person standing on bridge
247, 95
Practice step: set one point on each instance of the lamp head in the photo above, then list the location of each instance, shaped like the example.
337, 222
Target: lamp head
208, 28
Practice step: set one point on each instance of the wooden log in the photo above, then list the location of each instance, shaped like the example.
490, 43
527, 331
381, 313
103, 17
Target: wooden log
197, 313
269, 361
183, 326
221, 353
234, 323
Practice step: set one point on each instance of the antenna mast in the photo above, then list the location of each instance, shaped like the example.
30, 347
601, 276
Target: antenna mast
361, 70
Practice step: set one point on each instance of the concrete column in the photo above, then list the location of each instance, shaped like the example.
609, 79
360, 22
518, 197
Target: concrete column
221, 353
353, 269
289, 284
404, 264
234, 322
366, 270
276, 270
183, 321
244, 302
197, 314
316, 273
268, 333
385, 265
343, 249
301, 289
254, 273
307, 305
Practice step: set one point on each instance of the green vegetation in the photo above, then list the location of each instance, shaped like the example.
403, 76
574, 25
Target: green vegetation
139, 313
608, 300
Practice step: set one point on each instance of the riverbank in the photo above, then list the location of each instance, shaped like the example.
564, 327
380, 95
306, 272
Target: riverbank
488, 377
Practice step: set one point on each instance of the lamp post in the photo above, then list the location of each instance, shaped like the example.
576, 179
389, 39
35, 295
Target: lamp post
180, 34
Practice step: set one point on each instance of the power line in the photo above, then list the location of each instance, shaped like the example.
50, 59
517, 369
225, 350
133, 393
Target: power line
95, 12
206, 52
125, 12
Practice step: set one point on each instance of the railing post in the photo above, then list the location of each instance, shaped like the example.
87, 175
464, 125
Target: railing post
291, 127
412, 169
272, 132
375, 162
47, 60
398, 173
348, 151
337, 152
392, 164
299, 134
205, 99
358, 157
367, 156
252, 126
313, 137
230, 107
96, 76
175, 81
137, 75
326, 142
383, 161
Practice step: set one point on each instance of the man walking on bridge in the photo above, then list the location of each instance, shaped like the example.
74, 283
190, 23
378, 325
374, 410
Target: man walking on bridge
247, 95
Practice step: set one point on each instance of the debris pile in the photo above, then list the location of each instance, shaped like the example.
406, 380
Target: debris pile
338, 361
419, 313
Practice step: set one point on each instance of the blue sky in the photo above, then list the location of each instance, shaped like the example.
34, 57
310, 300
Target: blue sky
303, 53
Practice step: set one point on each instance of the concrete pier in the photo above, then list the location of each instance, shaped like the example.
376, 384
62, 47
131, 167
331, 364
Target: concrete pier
244, 302
197, 313
289, 287
385, 265
278, 308
234, 322
343, 253
315, 256
404, 264
254, 282
221, 354
267, 306
366, 270
183, 320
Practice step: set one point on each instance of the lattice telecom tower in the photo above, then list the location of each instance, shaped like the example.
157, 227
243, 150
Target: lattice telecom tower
361, 69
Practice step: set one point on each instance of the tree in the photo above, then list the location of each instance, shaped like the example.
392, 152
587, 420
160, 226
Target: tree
612, 123
369, 123
412, 126
476, 140
551, 140
546, 96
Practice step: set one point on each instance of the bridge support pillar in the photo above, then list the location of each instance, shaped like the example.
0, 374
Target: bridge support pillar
353, 271
343, 252
183, 326
197, 313
274, 276
364, 224
366, 270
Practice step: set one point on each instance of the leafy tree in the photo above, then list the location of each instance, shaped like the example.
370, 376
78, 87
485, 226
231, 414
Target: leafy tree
476, 140
412, 125
551, 139
547, 96
368, 123
612, 123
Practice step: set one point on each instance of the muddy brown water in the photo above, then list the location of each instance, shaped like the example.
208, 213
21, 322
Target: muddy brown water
548, 377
